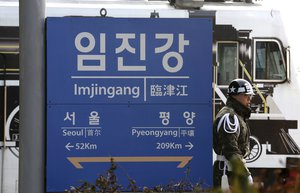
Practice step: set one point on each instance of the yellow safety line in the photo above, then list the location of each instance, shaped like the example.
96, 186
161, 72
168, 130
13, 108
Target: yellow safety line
256, 88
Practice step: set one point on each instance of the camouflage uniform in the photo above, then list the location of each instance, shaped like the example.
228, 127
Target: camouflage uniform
231, 141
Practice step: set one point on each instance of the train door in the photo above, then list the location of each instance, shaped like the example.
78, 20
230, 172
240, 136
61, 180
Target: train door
226, 69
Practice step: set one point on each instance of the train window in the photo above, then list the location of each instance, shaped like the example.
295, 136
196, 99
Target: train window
227, 59
269, 64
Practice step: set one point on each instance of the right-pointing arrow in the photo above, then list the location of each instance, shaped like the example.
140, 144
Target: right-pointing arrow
190, 145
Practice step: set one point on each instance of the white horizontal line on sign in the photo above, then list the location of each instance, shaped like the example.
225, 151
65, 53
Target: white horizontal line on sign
120, 77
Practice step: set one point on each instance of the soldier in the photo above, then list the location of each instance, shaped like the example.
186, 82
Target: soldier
231, 137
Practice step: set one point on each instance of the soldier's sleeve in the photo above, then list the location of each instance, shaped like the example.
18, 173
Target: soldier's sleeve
230, 131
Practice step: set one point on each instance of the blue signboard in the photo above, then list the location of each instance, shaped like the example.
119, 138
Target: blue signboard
96, 60
136, 90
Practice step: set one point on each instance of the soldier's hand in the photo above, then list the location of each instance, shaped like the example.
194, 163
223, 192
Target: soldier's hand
250, 180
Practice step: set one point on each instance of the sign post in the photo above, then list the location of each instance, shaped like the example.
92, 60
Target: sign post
32, 96
136, 90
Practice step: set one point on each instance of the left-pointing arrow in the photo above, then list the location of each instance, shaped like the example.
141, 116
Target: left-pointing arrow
182, 159
69, 146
